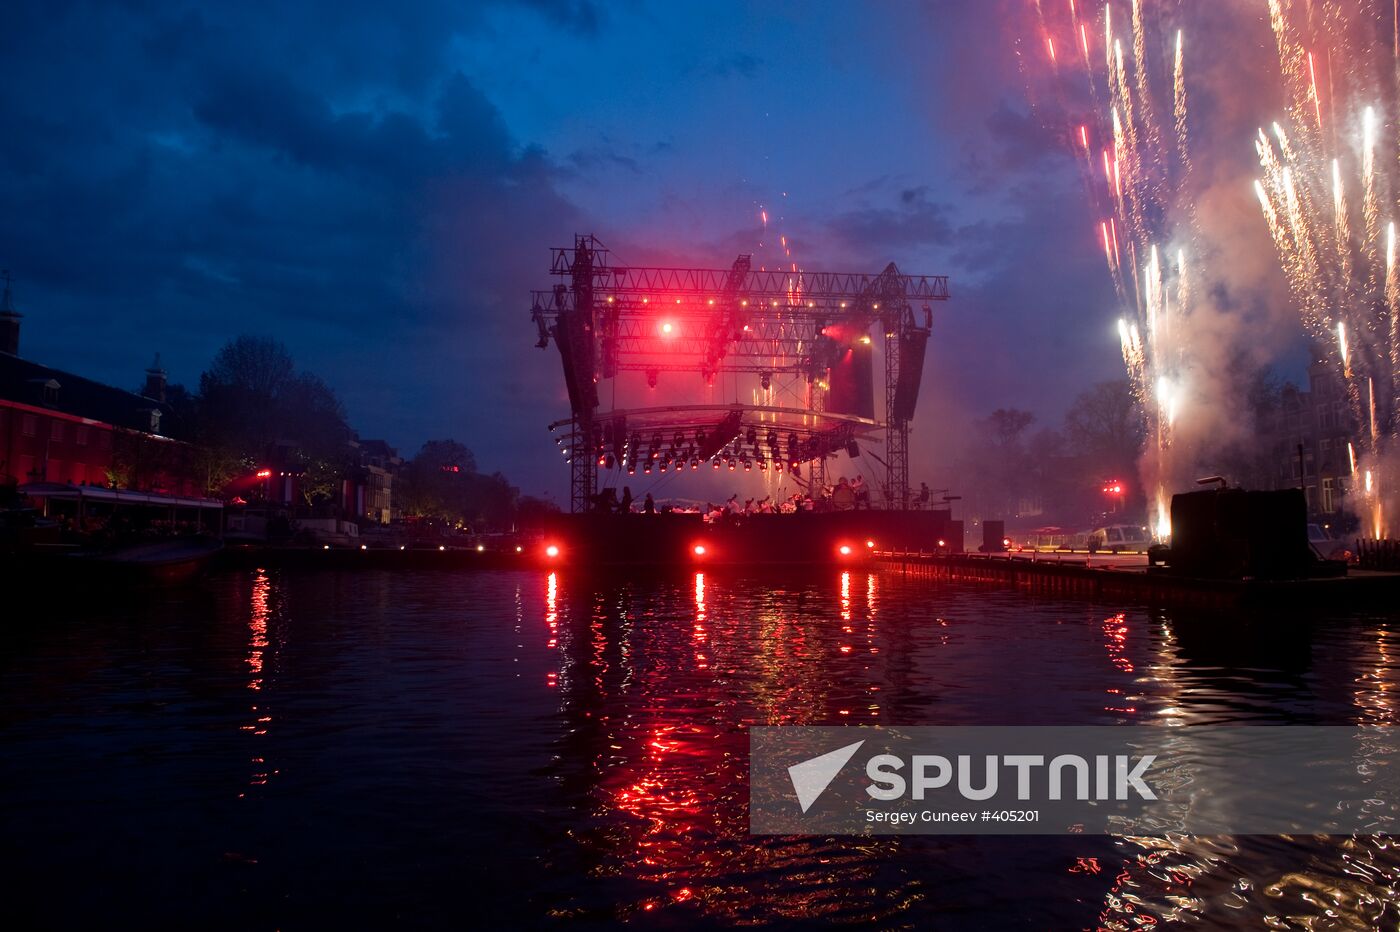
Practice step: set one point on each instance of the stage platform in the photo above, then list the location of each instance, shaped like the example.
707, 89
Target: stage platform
802, 538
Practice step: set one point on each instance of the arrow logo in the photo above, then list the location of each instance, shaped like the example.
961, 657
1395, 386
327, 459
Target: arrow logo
811, 777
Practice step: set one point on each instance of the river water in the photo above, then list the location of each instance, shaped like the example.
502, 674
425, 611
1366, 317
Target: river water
329, 749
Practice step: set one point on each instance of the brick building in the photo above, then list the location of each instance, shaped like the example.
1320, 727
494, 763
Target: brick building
56, 426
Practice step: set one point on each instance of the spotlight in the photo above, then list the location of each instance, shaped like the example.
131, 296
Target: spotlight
870, 545
699, 550
480, 548
844, 550
518, 548
715, 462
652, 377
551, 551
765, 380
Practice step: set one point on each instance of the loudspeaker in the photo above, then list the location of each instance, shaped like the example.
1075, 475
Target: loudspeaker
853, 381
912, 347
993, 537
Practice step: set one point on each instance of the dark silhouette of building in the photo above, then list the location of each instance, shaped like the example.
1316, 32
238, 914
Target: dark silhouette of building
1309, 440
56, 426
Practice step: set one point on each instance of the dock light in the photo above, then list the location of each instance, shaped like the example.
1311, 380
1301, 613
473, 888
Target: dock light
844, 550
480, 548
870, 545
699, 550
551, 551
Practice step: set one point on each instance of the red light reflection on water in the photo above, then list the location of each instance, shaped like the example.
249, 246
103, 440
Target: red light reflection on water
659, 734
700, 634
1115, 632
551, 620
259, 614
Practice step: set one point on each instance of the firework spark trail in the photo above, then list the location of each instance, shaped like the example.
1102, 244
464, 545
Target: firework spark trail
1179, 102
1343, 275
1136, 165
1342, 228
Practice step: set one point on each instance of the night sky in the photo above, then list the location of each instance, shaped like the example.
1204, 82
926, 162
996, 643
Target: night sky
378, 186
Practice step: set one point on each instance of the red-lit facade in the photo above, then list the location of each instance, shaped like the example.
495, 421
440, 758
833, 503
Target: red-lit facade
59, 427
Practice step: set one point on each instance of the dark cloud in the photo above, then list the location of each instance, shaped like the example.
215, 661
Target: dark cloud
186, 176
912, 220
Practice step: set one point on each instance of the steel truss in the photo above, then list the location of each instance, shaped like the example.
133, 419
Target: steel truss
711, 321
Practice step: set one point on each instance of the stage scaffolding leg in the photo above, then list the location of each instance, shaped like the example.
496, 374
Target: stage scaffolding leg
583, 470
896, 432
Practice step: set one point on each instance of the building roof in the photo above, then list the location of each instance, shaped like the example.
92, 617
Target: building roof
97, 493
25, 382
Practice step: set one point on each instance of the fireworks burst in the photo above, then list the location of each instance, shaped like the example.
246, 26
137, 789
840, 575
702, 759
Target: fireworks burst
1136, 182
1336, 143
